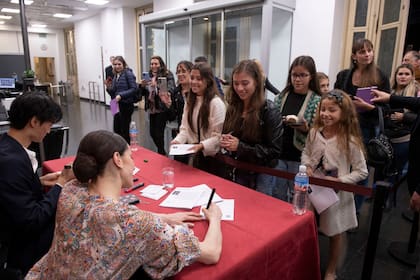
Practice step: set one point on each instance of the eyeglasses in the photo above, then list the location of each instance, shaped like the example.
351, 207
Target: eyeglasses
337, 95
301, 75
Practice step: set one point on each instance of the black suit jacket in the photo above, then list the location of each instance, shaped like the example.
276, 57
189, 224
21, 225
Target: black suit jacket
413, 104
27, 215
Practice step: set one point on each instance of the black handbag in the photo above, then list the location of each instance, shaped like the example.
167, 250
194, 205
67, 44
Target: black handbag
380, 153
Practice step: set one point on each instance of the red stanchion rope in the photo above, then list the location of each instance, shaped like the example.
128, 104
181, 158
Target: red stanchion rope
356, 189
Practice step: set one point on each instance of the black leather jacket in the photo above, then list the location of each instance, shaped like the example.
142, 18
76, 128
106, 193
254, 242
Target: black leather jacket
267, 151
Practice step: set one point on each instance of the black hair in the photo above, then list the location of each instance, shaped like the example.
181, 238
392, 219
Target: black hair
210, 92
201, 59
95, 149
33, 104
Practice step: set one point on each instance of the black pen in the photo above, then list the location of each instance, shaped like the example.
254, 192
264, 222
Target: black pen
135, 187
211, 198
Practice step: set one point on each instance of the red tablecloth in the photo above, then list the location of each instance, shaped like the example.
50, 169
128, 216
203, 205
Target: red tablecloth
265, 241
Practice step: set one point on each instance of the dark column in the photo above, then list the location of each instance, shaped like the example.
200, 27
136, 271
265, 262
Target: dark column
24, 35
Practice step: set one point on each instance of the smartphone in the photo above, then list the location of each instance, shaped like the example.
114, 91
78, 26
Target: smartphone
145, 76
163, 85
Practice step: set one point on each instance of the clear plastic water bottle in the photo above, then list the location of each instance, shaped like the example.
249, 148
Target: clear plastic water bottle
300, 198
133, 136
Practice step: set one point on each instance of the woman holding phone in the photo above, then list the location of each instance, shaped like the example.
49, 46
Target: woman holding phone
157, 87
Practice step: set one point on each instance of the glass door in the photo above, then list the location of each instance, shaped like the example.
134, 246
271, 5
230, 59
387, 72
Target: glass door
178, 42
155, 42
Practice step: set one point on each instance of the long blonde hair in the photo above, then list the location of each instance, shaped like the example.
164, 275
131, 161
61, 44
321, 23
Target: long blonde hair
411, 88
348, 125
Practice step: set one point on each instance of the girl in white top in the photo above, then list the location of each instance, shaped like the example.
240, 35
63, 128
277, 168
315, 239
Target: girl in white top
335, 148
203, 117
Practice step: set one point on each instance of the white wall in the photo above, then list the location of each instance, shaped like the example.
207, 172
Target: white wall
161, 5
112, 32
317, 29
52, 45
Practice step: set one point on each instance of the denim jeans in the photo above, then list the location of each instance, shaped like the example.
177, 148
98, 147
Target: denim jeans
276, 186
401, 157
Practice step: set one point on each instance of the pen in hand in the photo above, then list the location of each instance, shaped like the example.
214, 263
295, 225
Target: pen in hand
135, 187
211, 198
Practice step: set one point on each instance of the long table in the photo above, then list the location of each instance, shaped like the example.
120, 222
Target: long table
265, 240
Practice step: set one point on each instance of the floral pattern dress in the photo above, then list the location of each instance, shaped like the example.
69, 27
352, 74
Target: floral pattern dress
100, 238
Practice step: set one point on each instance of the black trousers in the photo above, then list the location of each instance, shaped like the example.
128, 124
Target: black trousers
157, 130
122, 120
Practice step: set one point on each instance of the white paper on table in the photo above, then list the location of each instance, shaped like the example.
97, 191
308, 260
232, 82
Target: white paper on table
153, 191
227, 206
182, 197
181, 149
205, 195
322, 198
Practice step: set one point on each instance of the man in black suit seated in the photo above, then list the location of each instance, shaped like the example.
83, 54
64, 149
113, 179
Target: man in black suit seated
26, 213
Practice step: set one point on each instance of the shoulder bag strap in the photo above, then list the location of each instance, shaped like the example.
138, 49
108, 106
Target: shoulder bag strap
381, 119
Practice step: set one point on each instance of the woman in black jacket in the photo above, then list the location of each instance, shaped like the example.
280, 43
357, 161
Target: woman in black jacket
253, 127
122, 90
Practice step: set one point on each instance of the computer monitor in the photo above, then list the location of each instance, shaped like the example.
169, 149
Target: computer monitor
7, 83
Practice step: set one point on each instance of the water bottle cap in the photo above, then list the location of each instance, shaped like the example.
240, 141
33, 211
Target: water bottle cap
302, 168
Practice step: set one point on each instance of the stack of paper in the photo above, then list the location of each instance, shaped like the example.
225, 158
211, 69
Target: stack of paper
153, 191
188, 198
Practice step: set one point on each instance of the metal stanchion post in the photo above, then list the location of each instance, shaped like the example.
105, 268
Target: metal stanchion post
381, 192
407, 253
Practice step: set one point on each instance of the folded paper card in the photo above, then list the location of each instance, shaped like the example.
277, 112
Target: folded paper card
153, 192
322, 198
180, 149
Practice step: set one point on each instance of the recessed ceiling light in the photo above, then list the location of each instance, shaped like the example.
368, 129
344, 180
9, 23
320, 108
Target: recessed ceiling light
27, 2
12, 11
205, 18
1, 21
96, 2
39, 25
5, 17
62, 15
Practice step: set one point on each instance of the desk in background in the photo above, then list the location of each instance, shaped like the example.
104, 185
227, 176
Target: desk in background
265, 241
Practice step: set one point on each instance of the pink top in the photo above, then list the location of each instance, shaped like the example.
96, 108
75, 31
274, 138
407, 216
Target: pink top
99, 238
